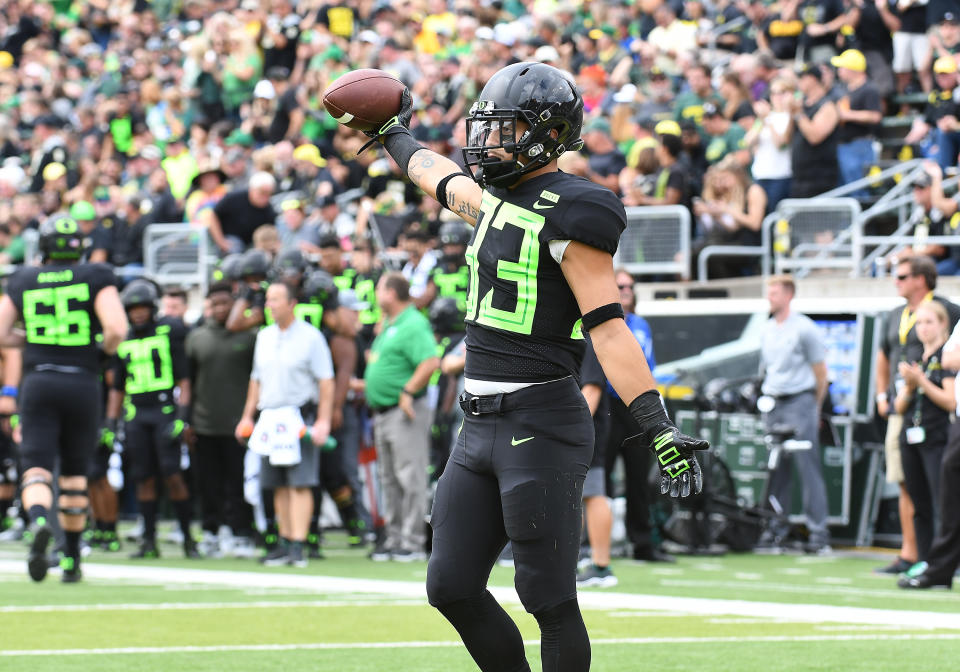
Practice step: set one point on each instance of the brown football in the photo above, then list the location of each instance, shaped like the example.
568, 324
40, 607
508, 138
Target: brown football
364, 99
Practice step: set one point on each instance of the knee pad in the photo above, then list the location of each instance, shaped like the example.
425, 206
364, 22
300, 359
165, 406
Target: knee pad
564, 644
37, 480
73, 510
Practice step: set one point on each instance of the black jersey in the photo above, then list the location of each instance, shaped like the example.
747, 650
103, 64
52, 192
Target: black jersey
150, 362
57, 305
523, 322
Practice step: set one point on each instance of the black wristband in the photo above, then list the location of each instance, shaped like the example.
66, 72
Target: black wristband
400, 144
648, 411
406, 391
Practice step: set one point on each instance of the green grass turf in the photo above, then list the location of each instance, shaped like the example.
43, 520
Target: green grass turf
380, 632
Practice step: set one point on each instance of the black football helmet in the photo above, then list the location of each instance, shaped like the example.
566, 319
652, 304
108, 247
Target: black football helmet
289, 265
60, 238
254, 264
543, 97
445, 315
139, 292
229, 268
320, 288
455, 233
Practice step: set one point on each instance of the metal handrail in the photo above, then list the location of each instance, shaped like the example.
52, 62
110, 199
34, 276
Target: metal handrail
724, 251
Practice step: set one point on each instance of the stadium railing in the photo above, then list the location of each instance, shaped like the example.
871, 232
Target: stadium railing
789, 235
874, 261
177, 254
656, 241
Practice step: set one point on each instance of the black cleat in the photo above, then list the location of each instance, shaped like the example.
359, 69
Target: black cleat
148, 549
70, 570
37, 562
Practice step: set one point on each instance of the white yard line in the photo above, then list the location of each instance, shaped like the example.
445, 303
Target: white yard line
807, 613
312, 646
196, 606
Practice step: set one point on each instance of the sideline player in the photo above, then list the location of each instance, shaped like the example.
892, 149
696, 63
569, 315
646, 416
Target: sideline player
541, 271
64, 306
150, 363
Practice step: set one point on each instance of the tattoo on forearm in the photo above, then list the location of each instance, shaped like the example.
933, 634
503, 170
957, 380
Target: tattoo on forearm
465, 209
419, 164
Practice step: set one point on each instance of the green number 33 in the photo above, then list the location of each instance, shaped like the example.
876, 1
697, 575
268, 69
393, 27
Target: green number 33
522, 272
57, 324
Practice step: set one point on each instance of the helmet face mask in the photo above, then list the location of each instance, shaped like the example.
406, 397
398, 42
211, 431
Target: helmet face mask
536, 101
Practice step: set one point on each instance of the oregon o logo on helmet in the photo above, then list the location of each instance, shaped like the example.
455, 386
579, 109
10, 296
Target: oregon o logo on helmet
65, 225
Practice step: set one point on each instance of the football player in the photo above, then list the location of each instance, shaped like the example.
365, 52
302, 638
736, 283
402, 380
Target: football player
541, 272
71, 311
151, 363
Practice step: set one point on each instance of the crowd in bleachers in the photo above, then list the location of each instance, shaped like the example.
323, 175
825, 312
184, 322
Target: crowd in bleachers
126, 113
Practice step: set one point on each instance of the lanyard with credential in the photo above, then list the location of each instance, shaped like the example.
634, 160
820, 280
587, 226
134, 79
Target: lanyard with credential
908, 318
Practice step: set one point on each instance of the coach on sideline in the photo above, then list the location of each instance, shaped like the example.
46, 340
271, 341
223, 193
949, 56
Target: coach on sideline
401, 360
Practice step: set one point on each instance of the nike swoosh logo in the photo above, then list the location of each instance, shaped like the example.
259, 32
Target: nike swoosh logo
515, 442
538, 206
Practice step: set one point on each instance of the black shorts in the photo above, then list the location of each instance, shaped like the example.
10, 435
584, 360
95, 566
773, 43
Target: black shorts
518, 475
60, 415
148, 445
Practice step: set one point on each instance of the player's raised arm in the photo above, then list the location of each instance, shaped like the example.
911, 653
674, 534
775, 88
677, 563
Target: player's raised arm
348, 100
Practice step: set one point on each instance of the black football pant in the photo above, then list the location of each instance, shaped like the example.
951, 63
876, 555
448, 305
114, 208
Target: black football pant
516, 473
944, 556
219, 461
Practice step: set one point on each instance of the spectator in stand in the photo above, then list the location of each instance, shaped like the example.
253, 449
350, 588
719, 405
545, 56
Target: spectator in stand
945, 38
822, 20
295, 230
606, 160
859, 114
208, 187
777, 32
672, 182
238, 214
724, 137
769, 139
934, 214
911, 45
814, 141
873, 23
939, 128
729, 213
689, 104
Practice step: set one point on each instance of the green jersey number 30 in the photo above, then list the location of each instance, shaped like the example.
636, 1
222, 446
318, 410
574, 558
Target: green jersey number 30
522, 272
61, 326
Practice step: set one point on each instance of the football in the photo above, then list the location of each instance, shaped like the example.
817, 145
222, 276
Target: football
364, 99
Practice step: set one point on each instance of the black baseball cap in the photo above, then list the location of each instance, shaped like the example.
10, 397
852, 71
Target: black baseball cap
811, 69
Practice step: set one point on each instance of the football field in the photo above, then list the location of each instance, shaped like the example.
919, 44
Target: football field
735, 613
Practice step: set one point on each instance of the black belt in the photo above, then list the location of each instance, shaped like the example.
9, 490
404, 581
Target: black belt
379, 410
785, 397
62, 368
473, 404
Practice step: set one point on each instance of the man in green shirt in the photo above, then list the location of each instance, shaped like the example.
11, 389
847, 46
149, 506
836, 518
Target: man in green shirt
689, 104
402, 358
723, 136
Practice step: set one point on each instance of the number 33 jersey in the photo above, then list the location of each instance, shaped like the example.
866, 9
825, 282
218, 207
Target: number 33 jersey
57, 305
523, 322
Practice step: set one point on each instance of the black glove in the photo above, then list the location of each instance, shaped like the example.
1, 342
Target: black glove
108, 432
180, 423
675, 452
397, 124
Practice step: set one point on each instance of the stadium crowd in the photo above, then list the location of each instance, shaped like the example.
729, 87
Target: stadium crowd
122, 114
